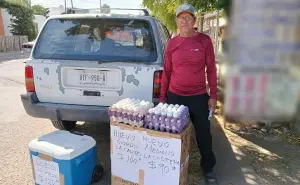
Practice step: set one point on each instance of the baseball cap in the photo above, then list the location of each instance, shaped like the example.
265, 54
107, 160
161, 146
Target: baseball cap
185, 8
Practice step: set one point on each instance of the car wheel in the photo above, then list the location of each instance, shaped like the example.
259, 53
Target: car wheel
64, 125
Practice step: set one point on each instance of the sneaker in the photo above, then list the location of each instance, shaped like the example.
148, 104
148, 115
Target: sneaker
210, 178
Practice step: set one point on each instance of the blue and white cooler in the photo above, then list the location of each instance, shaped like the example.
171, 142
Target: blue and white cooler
64, 158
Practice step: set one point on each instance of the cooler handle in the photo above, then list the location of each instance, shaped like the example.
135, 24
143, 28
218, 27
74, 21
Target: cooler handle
77, 133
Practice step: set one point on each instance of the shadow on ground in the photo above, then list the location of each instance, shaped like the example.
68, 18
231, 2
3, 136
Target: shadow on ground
274, 160
227, 169
230, 168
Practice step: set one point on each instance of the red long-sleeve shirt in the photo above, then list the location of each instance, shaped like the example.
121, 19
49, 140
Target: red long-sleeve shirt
184, 68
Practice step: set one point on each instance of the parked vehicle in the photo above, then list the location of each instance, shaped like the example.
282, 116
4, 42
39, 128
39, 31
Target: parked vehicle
83, 63
27, 47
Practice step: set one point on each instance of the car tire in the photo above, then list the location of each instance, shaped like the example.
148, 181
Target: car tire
64, 125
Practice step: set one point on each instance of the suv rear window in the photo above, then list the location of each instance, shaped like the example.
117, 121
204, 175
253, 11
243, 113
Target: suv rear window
97, 39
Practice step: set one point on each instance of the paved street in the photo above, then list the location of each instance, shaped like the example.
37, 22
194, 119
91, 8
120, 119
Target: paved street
17, 128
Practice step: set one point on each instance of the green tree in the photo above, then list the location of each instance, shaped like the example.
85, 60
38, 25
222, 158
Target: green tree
18, 2
105, 8
165, 9
226, 5
39, 10
21, 21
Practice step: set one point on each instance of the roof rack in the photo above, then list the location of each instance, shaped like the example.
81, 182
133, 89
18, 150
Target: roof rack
146, 12
73, 10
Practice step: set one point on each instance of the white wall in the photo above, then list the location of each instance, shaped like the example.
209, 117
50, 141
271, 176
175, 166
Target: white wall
6, 22
56, 10
40, 20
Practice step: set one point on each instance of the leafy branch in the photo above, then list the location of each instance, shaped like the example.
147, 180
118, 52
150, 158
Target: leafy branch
22, 19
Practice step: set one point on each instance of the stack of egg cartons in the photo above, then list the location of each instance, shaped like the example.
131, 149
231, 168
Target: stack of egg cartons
167, 118
130, 111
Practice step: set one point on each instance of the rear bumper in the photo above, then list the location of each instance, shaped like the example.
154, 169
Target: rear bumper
54, 111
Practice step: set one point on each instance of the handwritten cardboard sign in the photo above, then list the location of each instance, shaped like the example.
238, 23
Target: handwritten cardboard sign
157, 157
46, 172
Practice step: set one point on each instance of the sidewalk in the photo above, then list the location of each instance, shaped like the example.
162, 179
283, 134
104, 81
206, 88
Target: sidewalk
268, 159
14, 55
233, 166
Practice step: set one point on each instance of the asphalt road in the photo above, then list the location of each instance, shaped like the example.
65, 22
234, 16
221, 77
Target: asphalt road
18, 129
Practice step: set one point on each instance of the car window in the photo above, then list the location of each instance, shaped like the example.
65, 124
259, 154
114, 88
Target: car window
97, 39
165, 33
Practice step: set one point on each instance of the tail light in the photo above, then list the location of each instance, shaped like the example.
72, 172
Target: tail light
29, 79
157, 83
27, 46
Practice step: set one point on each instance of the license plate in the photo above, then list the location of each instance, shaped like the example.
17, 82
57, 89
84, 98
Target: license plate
96, 78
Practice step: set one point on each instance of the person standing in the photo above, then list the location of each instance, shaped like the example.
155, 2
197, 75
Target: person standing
188, 59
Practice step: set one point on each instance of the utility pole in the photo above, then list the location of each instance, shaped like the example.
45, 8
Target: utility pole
65, 6
100, 5
72, 4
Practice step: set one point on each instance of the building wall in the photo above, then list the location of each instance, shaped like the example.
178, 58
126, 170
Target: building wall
56, 10
1, 24
40, 21
6, 22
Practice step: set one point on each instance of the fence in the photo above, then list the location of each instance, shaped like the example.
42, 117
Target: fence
12, 43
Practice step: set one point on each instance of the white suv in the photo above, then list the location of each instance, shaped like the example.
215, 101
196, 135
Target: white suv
83, 63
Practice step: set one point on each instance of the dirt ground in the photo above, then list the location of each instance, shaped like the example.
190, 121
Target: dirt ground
274, 156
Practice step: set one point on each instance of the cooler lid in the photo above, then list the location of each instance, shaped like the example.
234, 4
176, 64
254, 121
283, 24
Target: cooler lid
62, 144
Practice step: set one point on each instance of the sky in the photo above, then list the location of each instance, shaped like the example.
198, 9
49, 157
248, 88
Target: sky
89, 3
